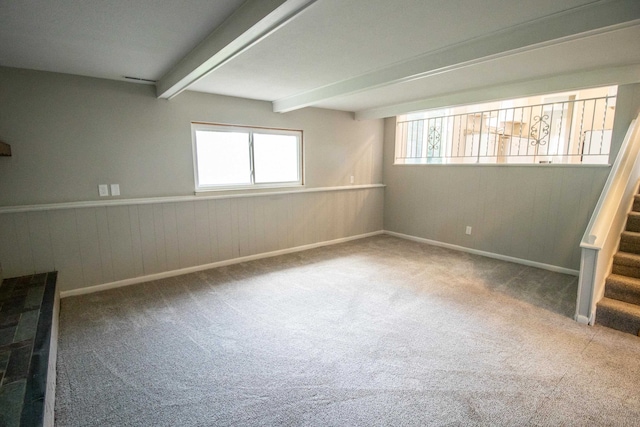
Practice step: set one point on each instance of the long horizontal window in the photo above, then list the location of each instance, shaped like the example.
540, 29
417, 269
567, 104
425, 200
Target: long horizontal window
566, 128
228, 157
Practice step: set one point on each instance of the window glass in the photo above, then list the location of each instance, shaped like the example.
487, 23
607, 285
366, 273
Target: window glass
275, 158
223, 158
562, 128
228, 157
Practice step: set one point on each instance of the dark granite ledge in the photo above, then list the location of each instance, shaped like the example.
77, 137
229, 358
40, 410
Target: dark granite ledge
26, 317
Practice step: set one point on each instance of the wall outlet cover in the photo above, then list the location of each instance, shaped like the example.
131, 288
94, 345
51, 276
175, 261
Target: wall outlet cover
103, 190
115, 189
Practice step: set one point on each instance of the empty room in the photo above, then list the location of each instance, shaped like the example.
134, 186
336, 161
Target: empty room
319, 213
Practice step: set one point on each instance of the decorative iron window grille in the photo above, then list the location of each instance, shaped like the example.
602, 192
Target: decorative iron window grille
566, 132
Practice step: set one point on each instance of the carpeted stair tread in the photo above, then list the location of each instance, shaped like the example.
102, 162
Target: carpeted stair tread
633, 221
620, 307
626, 264
626, 258
619, 315
623, 288
630, 242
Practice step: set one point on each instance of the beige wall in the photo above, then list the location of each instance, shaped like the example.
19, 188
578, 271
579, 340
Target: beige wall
535, 213
68, 134
627, 109
97, 245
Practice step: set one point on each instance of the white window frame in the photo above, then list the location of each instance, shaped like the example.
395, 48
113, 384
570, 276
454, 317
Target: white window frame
250, 130
493, 133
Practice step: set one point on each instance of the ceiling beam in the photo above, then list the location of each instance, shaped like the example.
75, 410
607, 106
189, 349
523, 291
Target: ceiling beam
566, 82
591, 19
252, 22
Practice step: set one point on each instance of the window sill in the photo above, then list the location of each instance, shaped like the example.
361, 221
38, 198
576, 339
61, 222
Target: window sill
248, 189
508, 165
179, 199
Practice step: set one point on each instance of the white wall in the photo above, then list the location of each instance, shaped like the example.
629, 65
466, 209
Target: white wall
97, 245
535, 213
68, 134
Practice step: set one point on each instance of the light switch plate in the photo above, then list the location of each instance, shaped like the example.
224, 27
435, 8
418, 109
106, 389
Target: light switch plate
103, 190
115, 189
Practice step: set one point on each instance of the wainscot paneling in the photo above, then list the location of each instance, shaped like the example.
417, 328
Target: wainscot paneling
536, 213
102, 244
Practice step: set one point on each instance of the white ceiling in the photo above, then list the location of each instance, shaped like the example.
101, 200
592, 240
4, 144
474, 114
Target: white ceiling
336, 39
106, 38
373, 57
602, 50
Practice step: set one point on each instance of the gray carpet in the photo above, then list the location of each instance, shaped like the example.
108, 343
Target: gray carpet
376, 332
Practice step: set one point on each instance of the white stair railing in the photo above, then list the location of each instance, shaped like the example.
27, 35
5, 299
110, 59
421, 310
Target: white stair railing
602, 236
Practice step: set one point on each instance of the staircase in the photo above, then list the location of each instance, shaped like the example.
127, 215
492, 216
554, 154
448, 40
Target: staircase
620, 307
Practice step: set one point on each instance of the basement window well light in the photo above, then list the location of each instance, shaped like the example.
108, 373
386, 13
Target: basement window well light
560, 128
234, 157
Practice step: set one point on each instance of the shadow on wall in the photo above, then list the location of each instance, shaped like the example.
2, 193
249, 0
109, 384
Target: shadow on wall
362, 168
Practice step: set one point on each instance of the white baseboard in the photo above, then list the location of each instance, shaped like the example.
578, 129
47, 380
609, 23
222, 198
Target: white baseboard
178, 272
584, 320
526, 262
181, 271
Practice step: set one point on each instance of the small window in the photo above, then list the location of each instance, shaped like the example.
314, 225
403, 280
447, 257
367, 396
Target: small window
229, 157
563, 128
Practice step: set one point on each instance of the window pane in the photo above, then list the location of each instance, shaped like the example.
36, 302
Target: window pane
275, 158
568, 128
223, 158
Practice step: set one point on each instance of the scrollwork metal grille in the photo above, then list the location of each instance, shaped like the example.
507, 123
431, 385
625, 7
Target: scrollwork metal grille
434, 138
572, 131
539, 130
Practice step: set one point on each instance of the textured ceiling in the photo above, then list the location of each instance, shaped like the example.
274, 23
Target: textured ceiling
105, 38
610, 49
335, 39
347, 55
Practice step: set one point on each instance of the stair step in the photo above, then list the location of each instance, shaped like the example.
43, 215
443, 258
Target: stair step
618, 315
636, 203
626, 264
630, 242
623, 288
633, 222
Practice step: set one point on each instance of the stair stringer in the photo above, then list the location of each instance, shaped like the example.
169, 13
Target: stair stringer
601, 238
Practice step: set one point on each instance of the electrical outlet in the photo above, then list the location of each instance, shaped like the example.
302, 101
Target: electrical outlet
115, 189
468, 230
103, 190
352, 179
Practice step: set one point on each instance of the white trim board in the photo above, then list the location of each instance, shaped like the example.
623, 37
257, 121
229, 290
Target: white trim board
253, 22
571, 81
526, 262
584, 320
181, 271
176, 199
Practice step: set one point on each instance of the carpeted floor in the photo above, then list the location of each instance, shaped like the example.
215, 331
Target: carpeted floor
375, 332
